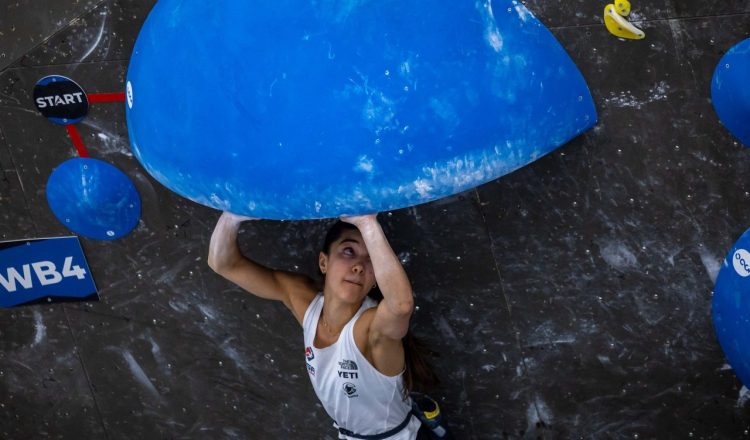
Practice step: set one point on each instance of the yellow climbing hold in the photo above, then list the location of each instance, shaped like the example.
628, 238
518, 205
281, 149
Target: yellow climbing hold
622, 7
617, 25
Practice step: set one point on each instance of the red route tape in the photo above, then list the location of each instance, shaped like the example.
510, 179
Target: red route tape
93, 97
76, 138
107, 97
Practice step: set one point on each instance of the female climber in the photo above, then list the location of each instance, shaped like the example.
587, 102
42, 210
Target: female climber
360, 357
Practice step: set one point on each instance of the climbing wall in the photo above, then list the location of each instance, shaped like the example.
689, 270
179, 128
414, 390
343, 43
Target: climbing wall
568, 299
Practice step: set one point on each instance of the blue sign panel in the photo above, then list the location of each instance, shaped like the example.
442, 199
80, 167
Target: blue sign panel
47, 269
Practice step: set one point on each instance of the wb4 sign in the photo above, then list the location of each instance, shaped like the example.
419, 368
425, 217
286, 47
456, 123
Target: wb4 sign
45, 271
51, 269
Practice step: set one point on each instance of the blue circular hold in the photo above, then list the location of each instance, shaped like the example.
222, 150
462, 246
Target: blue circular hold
730, 92
731, 307
307, 109
93, 198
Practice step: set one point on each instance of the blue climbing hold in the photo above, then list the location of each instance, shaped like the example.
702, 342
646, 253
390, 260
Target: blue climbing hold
731, 307
297, 110
93, 198
730, 93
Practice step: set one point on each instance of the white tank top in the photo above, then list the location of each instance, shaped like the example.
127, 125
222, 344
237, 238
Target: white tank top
356, 395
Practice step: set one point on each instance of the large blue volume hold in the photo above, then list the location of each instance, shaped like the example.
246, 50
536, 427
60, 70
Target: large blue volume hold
731, 307
730, 93
313, 109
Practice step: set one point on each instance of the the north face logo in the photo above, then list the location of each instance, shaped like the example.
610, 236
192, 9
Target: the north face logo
348, 365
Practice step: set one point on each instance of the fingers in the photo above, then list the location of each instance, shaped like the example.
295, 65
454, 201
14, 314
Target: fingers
236, 218
359, 220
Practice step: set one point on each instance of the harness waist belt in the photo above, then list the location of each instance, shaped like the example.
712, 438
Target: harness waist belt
380, 436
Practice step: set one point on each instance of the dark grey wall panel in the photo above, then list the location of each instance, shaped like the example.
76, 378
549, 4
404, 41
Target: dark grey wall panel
644, 14
463, 314
26, 24
14, 213
104, 33
44, 387
610, 246
153, 382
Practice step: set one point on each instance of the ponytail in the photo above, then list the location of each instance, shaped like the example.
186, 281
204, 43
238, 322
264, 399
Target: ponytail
418, 375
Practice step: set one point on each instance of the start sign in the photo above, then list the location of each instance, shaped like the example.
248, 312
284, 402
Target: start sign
47, 269
60, 99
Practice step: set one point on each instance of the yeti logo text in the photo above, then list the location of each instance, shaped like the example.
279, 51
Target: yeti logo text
741, 262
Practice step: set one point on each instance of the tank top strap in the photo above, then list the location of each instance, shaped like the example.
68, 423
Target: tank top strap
349, 327
312, 314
